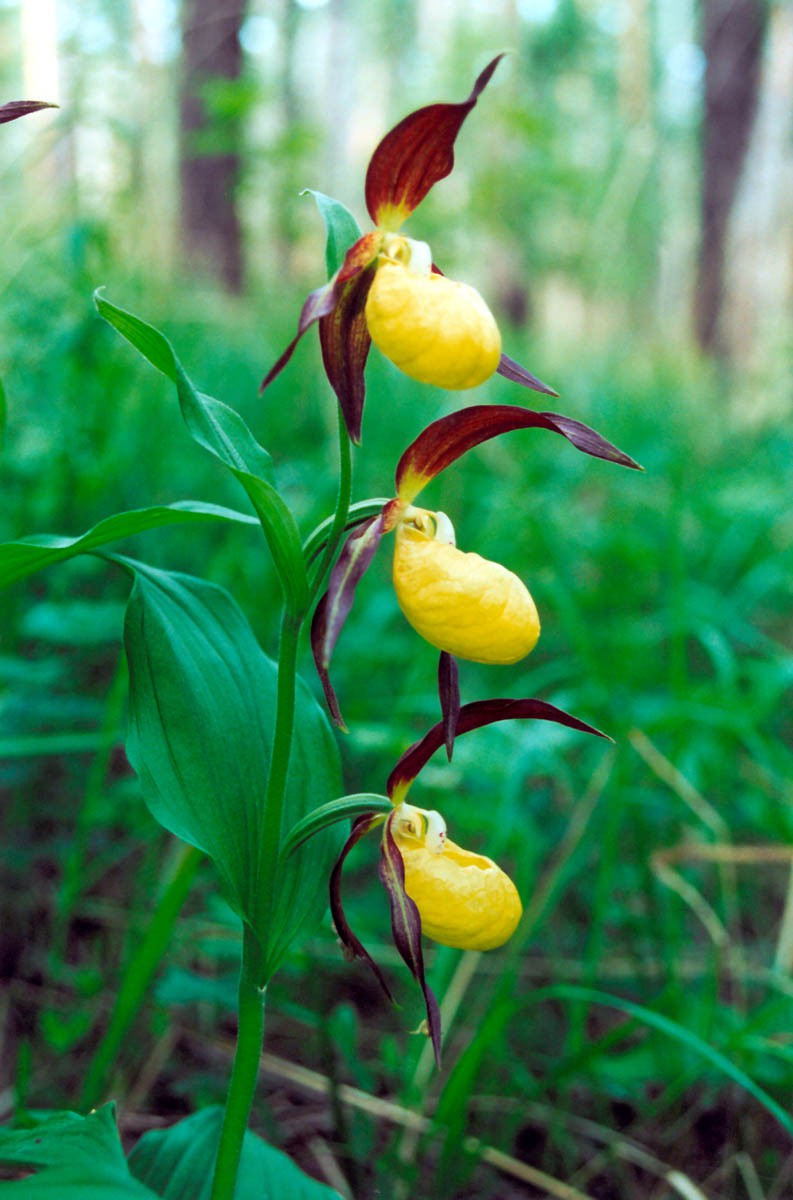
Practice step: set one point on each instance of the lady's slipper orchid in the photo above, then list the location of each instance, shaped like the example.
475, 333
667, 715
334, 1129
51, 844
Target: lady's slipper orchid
461, 603
456, 897
387, 289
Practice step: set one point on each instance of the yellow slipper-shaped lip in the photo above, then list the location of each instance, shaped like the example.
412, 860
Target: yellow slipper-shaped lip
464, 604
434, 329
465, 900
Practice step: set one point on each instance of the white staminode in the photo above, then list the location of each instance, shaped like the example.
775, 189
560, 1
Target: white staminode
423, 825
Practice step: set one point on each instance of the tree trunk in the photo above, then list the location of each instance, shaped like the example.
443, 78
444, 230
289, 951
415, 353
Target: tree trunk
732, 39
209, 151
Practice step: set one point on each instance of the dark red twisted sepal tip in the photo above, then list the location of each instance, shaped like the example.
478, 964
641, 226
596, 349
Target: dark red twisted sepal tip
446, 439
449, 696
474, 716
417, 153
343, 335
344, 338
518, 374
406, 927
334, 607
352, 945
15, 109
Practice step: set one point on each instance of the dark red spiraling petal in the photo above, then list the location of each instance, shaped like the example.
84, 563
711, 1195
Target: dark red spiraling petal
446, 439
415, 154
322, 302
334, 607
518, 374
346, 936
344, 338
449, 696
475, 716
406, 927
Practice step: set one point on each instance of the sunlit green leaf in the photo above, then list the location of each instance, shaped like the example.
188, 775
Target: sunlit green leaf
18, 559
341, 229
177, 1163
202, 707
222, 431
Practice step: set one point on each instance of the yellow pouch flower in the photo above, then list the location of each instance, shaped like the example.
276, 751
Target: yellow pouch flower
434, 329
465, 900
462, 603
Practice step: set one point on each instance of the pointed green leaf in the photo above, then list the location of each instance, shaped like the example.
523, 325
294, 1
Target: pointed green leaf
341, 229
177, 1164
672, 1029
347, 808
78, 1158
222, 431
18, 559
202, 709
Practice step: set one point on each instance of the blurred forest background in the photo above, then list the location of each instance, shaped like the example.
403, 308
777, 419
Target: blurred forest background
623, 198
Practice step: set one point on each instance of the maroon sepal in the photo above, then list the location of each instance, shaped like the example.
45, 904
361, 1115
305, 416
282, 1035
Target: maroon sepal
349, 941
406, 927
323, 301
344, 338
15, 109
416, 153
474, 716
333, 609
518, 374
449, 696
442, 442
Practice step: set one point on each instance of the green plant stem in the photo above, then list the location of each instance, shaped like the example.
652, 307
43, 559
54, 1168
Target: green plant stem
270, 830
342, 507
139, 972
254, 970
250, 1032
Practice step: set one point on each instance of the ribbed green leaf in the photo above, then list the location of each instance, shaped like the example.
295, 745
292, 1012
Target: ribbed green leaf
18, 559
341, 229
177, 1163
202, 707
79, 1158
222, 431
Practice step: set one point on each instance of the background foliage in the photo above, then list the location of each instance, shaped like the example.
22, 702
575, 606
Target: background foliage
655, 874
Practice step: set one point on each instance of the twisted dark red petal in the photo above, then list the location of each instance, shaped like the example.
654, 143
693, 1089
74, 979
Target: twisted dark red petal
346, 936
323, 301
344, 338
406, 927
334, 607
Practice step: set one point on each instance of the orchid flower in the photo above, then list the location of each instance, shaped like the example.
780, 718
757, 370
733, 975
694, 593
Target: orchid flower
464, 605
454, 896
388, 290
